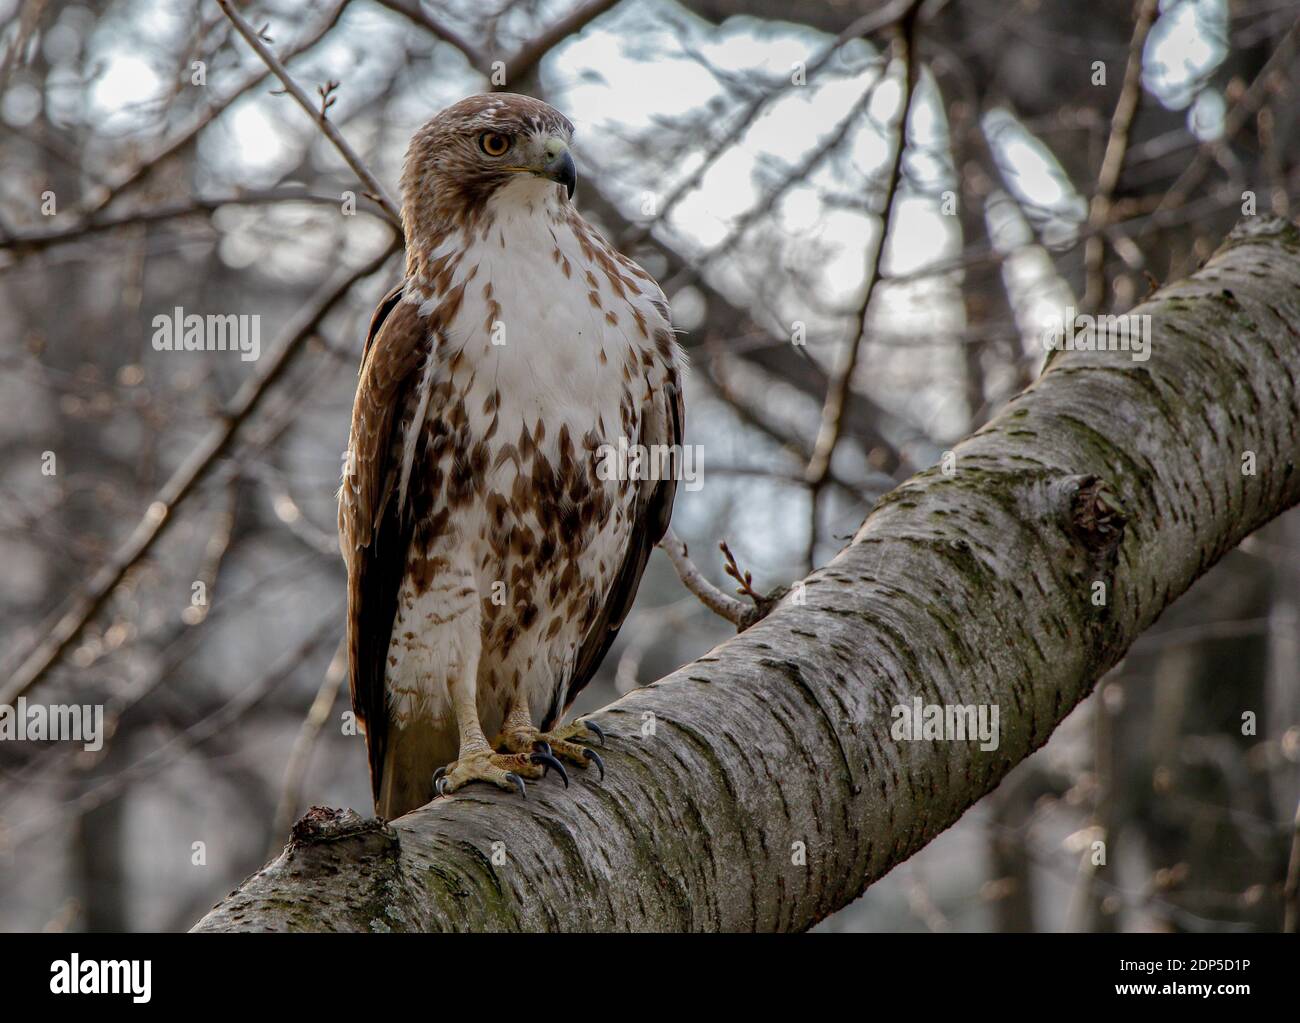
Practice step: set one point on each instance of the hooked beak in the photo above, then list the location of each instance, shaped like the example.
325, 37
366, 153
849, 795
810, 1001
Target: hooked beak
559, 165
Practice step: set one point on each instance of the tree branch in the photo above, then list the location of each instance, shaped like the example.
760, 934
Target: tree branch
1112, 163
530, 54
374, 188
761, 787
525, 60
412, 11
738, 613
837, 390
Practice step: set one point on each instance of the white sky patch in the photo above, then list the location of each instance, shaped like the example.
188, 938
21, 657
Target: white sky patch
1036, 179
126, 83
1205, 119
60, 43
1184, 47
20, 104
1034, 173
849, 235
868, 151
921, 235
884, 103
249, 142
746, 45
726, 191
800, 209
926, 126
666, 88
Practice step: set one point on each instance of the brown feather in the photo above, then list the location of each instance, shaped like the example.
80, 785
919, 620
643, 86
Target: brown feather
373, 534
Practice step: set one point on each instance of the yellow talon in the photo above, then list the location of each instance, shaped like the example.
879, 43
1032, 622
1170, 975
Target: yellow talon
558, 743
504, 770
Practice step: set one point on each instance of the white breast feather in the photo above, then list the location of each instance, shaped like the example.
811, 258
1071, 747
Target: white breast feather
548, 369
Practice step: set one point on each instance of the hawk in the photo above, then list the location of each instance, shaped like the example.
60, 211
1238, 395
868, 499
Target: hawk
490, 560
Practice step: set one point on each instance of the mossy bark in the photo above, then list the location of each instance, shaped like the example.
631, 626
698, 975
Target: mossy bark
760, 787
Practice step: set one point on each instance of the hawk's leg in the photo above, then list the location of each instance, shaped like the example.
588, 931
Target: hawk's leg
479, 762
520, 735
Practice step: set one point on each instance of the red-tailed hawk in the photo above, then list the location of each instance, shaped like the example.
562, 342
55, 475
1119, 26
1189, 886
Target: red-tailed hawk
490, 561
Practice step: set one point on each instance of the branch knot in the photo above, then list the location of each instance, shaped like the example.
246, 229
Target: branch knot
323, 824
1096, 516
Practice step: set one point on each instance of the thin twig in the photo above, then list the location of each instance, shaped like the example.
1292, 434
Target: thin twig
746, 579
411, 10
530, 54
315, 112
736, 612
837, 391
1112, 163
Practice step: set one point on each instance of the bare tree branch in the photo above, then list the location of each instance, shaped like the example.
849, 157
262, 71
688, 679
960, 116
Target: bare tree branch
525, 60
317, 114
530, 54
1112, 163
102, 197
725, 606
828, 434
411, 10
1242, 111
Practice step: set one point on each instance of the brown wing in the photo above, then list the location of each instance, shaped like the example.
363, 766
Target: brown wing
650, 522
373, 534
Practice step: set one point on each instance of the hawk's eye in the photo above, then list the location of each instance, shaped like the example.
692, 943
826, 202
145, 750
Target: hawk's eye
493, 143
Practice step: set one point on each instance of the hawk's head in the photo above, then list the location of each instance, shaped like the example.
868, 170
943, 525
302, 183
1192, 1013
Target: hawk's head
461, 157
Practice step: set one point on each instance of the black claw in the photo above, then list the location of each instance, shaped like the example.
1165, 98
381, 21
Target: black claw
518, 781
592, 726
594, 757
547, 760
542, 746
440, 786
439, 773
